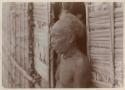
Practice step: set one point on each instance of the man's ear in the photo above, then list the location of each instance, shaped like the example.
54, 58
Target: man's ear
71, 38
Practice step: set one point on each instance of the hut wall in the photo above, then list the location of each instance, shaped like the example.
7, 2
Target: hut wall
18, 37
41, 15
105, 45
118, 29
15, 59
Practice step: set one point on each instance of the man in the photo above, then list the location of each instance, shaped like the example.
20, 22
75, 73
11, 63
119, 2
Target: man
73, 69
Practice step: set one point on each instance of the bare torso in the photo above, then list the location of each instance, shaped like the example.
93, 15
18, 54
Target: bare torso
73, 72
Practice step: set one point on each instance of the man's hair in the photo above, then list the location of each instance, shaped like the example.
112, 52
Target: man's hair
75, 8
68, 25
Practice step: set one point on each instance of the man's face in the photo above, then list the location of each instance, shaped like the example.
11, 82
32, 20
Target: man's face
59, 43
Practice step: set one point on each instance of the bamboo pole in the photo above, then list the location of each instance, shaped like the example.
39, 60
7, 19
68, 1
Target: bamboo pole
119, 39
100, 49
22, 41
106, 59
22, 71
100, 84
118, 10
119, 19
88, 30
112, 43
49, 46
99, 39
100, 56
99, 13
100, 45
100, 68
93, 19
12, 27
99, 21
99, 31
118, 34
6, 43
102, 42
100, 26
26, 44
9, 51
118, 24
118, 15
25, 64
99, 34
118, 30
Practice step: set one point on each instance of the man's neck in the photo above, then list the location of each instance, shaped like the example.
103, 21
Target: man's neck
70, 53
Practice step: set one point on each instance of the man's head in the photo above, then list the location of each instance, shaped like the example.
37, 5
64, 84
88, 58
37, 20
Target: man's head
65, 33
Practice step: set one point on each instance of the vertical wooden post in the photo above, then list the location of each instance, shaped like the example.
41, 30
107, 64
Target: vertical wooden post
31, 41
112, 41
52, 81
49, 41
87, 29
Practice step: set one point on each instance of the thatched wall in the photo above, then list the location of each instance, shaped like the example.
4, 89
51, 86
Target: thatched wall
15, 59
25, 44
105, 45
41, 15
118, 30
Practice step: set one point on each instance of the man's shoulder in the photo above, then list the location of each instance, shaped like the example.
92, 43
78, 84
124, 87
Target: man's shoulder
82, 59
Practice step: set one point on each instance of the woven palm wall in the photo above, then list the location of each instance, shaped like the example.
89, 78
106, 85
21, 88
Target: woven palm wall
15, 46
105, 29
41, 15
118, 35
25, 45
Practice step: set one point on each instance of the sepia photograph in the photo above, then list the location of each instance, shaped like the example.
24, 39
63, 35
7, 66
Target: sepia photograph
62, 45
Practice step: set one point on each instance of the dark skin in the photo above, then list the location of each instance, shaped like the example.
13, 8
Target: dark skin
74, 66
78, 9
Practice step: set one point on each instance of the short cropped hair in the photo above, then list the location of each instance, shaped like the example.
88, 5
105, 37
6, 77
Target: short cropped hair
68, 25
